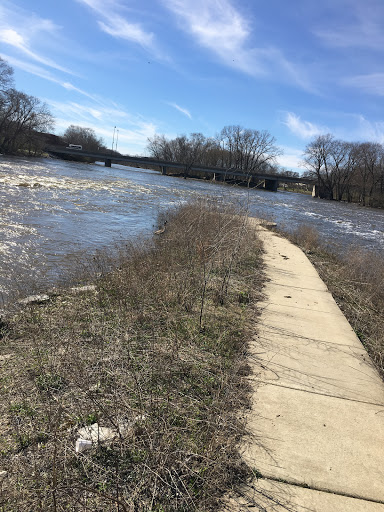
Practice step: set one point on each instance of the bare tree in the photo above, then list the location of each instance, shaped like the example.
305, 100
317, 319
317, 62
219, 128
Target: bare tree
317, 156
193, 150
6, 75
85, 137
234, 148
247, 150
21, 117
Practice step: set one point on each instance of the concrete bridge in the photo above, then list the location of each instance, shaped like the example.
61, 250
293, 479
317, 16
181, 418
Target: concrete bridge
260, 180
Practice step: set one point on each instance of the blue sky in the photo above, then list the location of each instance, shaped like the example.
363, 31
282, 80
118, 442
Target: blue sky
296, 68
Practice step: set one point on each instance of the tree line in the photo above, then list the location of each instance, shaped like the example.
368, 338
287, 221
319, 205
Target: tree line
346, 171
350, 171
22, 116
26, 122
234, 148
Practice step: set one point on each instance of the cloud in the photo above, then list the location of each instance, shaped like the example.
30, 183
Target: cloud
117, 26
291, 158
17, 40
45, 74
30, 68
180, 109
219, 27
360, 25
303, 129
11, 37
134, 130
372, 83
372, 131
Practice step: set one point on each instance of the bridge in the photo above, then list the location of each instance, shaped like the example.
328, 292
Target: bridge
264, 180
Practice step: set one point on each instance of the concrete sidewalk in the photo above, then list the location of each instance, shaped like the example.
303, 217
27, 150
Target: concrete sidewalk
317, 423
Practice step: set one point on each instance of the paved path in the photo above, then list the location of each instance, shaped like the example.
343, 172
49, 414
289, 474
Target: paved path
317, 423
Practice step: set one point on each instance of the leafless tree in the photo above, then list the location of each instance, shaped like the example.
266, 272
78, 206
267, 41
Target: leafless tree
317, 157
21, 117
6, 75
248, 150
234, 148
85, 137
369, 170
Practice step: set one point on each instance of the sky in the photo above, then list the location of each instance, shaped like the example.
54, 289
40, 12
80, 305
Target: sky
136, 68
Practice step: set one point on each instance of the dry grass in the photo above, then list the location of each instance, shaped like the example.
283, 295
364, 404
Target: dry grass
356, 282
156, 354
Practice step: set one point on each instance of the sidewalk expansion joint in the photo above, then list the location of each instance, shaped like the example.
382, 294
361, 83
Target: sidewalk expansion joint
317, 290
376, 404
290, 334
322, 489
292, 306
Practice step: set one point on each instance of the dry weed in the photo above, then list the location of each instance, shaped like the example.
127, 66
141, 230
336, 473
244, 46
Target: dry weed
155, 354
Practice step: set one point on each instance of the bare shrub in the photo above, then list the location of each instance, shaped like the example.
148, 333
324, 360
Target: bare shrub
307, 237
155, 355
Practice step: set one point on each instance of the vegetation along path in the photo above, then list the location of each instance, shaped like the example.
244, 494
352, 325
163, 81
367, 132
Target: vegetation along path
317, 421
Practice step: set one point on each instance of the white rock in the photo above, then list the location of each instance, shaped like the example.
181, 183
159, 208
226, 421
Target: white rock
3, 474
82, 289
94, 433
34, 299
83, 445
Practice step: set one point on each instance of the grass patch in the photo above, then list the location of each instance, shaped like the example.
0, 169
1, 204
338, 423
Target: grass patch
156, 354
355, 280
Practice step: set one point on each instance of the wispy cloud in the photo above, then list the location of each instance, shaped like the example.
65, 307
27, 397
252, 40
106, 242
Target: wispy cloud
45, 74
221, 28
359, 24
134, 130
372, 131
117, 26
291, 158
19, 38
180, 109
372, 83
301, 128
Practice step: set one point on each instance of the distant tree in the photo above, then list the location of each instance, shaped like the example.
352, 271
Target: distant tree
234, 148
289, 174
369, 170
317, 162
86, 137
247, 150
193, 150
6, 75
159, 147
21, 117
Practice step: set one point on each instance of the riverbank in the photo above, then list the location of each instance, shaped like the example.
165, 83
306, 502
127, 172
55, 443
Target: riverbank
127, 394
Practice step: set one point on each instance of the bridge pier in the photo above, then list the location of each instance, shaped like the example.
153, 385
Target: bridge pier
108, 162
163, 170
271, 185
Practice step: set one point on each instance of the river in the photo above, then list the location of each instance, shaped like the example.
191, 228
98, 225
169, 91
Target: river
53, 211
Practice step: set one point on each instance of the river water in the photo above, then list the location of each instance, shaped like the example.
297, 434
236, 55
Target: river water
52, 210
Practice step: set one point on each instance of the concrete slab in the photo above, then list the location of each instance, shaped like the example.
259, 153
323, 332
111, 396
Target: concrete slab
271, 496
318, 413
286, 294
321, 367
323, 442
311, 324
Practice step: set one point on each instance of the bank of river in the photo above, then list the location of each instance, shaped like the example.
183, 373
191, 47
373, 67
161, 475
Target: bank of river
53, 211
